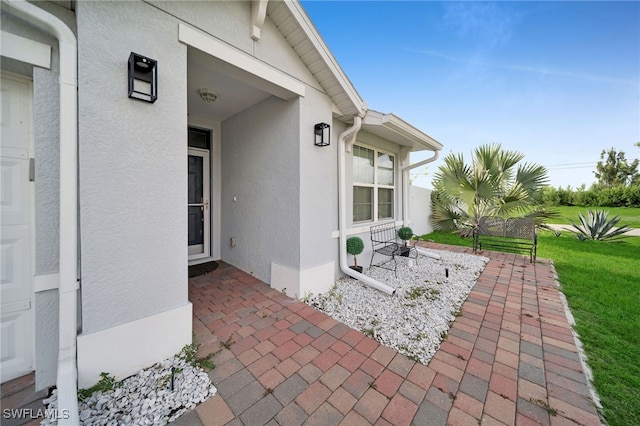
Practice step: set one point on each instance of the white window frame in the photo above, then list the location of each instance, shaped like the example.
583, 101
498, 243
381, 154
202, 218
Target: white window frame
375, 185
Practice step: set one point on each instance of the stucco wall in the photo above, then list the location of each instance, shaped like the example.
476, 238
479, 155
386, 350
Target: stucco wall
133, 174
318, 183
261, 187
231, 21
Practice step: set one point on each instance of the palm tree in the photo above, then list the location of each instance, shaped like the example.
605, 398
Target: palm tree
493, 185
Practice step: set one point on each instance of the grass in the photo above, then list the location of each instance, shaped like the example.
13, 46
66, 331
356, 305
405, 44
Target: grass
628, 215
601, 281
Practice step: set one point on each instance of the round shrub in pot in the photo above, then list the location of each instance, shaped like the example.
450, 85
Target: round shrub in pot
405, 233
355, 246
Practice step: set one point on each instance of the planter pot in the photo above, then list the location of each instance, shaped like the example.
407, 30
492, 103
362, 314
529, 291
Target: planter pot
356, 268
404, 251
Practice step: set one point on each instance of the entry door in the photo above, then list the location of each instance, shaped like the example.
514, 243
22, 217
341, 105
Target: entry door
198, 199
16, 283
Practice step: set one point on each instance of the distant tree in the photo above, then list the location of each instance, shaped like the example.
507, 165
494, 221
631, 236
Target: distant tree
616, 170
494, 184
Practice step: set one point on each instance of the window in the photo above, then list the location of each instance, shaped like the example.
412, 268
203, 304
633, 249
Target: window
199, 138
373, 184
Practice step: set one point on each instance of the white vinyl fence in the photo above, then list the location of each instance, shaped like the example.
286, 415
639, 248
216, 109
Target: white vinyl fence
420, 210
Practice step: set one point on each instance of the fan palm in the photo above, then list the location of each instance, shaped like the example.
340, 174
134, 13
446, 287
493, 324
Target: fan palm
494, 184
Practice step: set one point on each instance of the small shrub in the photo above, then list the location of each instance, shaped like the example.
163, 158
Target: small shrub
355, 246
550, 195
405, 233
595, 196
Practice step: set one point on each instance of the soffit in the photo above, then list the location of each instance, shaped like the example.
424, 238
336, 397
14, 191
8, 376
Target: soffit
296, 27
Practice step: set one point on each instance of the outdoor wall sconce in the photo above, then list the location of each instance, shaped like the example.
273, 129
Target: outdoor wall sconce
322, 133
143, 78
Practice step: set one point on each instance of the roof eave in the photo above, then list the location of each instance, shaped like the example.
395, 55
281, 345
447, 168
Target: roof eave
350, 105
395, 129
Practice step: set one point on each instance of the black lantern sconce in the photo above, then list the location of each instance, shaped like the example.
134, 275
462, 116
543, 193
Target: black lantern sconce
322, 133
143, 78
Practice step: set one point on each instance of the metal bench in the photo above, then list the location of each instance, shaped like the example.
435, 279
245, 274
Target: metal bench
384, 241
513, 234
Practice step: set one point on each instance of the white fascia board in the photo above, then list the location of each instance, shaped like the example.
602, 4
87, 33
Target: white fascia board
318, 43
25, 50
277, 83
403, 133
397, 124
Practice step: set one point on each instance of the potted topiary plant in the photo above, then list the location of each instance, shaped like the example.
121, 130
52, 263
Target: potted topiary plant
405, 233
355, 246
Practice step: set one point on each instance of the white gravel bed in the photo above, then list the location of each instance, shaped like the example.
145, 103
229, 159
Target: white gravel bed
148, 398
416, 319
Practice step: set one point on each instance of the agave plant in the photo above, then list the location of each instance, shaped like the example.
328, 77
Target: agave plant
597, 226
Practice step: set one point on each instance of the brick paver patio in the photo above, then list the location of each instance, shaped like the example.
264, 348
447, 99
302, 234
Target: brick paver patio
510, 358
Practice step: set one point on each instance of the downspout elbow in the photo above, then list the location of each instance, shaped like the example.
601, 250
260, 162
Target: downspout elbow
431, 159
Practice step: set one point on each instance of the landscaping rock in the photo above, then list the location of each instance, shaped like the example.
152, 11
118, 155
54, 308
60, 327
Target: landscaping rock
146, 398
415, 320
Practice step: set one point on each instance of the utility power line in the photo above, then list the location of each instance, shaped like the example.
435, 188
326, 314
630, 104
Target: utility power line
569, 166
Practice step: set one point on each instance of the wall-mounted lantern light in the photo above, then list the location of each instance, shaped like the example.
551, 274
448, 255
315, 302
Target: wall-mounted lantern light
322, 133
143, 78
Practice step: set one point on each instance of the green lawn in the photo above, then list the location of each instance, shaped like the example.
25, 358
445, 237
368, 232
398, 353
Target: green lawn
628, 215
601, 281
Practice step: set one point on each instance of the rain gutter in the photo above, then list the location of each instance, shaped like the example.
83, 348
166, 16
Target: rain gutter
67, 375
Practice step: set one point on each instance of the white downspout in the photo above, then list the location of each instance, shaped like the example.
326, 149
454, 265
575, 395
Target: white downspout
67, 377
350, 133
405, 184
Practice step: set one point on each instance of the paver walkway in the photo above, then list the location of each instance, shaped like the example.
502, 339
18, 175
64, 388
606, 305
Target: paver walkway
509, 359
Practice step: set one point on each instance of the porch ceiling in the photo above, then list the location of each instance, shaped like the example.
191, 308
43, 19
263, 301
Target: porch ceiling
205, 71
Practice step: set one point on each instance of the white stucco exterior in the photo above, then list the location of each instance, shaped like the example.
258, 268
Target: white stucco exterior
272, 191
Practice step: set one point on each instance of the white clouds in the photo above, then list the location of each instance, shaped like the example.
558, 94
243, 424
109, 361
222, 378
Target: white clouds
481, 61
488, 24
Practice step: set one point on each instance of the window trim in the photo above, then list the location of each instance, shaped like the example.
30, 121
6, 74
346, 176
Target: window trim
375, 186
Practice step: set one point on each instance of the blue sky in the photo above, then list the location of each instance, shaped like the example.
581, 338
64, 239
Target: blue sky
557, 81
